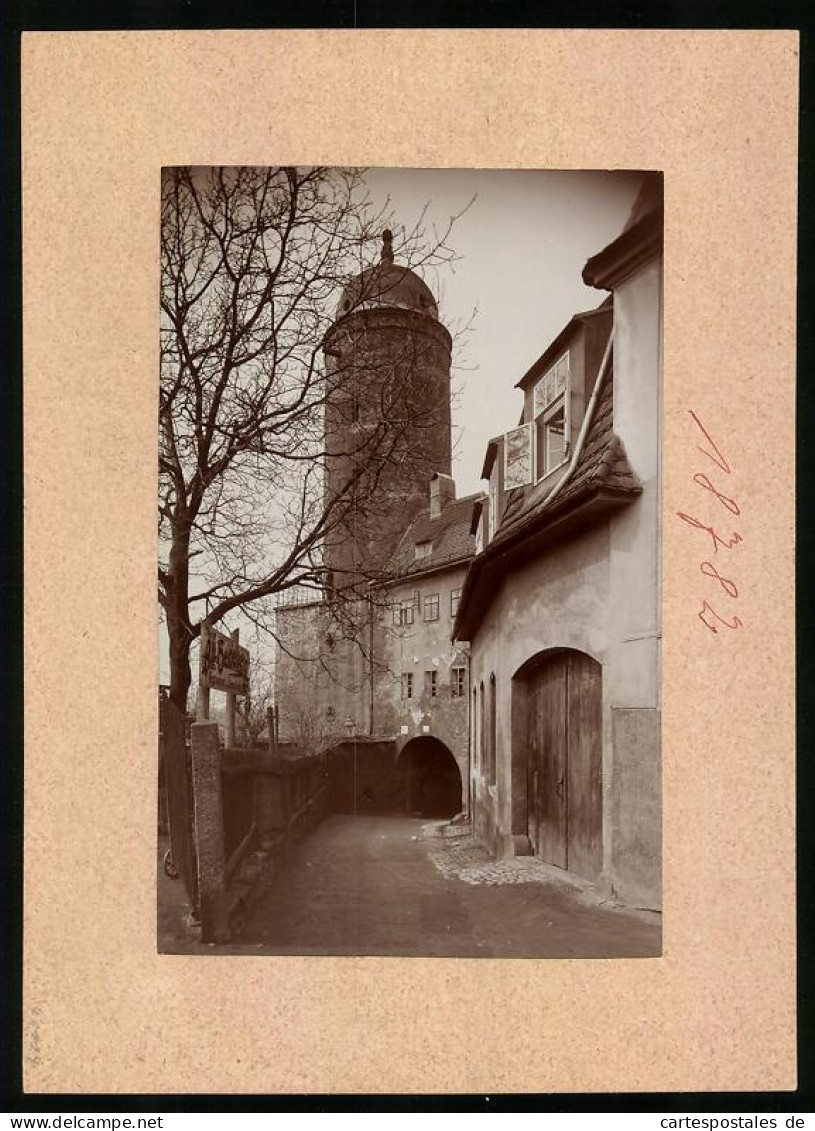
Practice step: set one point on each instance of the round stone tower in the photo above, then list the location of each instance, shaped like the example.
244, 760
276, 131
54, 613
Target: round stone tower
387, 421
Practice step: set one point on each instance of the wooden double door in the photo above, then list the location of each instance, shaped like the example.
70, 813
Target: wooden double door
564, 766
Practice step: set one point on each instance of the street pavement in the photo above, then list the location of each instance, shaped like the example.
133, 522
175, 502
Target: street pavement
389, 885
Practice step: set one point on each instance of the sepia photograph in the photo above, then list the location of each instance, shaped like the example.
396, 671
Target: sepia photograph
409, 562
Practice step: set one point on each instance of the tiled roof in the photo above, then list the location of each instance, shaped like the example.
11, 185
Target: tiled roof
602, 464
449, 533
601, 481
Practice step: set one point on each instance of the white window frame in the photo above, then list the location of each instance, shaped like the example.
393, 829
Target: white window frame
492, 503
528, 429
479, 533
551, 393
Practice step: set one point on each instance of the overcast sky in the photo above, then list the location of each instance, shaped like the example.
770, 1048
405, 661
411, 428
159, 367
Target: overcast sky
521, 248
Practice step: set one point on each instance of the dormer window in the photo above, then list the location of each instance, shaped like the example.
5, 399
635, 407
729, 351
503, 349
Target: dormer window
517, 458
423, 550
550, 406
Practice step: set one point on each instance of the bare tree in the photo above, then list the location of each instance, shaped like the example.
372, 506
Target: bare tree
252, 266
253, 707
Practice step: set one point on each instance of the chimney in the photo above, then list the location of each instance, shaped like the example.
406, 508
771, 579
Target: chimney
442, 492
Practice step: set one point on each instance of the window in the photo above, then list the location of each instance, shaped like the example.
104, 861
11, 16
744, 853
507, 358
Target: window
423, 549
491, 738
407, 685
431, 683
492, 506
550, 406
455, 598
431, 606
481, 729
457, 682
518, 457
551, 440
403, 614
475, 727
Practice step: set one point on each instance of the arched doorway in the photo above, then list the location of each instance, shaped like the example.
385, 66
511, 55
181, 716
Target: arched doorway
431, 778
558, 734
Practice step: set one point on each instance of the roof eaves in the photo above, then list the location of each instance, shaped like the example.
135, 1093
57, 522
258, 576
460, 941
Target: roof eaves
552, 350
492, 562
632, 248
557, 343
425, 571
478, 507
489, 456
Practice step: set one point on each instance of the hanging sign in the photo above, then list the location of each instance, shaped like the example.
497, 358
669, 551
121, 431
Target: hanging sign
223, 663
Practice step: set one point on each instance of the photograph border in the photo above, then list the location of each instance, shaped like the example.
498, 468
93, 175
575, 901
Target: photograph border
770, 1048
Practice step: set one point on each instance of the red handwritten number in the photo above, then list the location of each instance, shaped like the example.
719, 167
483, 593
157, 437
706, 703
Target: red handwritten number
725, 500
728, 586
707, 614
708, 611
717, 539
718, 458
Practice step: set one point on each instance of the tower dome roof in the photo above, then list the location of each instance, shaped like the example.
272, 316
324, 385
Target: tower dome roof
386, 284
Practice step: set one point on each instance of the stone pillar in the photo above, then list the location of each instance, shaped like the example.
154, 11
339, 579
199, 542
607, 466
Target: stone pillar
209, 831
202, 704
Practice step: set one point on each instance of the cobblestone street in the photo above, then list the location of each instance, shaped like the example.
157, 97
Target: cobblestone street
391, 886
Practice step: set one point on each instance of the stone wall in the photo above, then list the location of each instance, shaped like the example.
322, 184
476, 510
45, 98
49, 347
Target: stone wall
424, 646
322, 678
389, 365
282, 800
362, 778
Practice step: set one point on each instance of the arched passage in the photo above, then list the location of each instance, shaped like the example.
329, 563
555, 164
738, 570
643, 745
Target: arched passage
430, 778
557, 758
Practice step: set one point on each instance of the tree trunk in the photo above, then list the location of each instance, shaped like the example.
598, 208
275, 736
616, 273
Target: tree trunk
179, 629
180, 673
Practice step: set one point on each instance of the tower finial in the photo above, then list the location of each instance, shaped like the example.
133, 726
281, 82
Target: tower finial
387, 246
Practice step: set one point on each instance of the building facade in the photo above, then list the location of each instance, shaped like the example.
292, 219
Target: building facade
368, 671
423, 682
561, 605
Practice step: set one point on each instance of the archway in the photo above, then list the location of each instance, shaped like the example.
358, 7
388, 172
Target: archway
431, 778
557, 758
